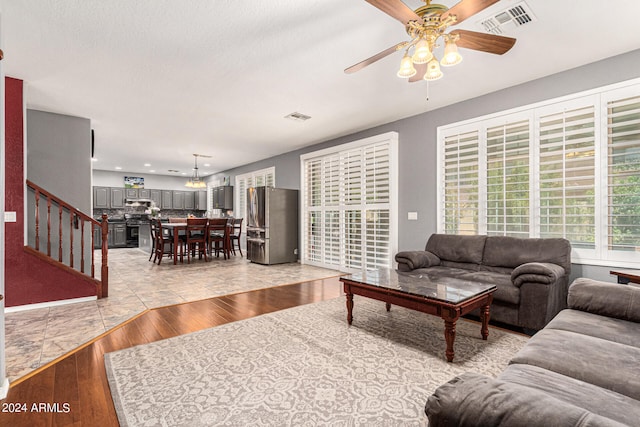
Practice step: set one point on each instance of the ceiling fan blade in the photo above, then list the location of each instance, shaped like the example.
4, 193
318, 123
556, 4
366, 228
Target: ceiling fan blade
484, 42
360, 65
420, 70
396, 9
467, 8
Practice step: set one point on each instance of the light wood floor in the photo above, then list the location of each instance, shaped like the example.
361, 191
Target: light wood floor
77, 381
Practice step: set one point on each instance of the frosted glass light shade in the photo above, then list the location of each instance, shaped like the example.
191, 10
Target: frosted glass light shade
422, 54
406, 67
433, 70
451, 55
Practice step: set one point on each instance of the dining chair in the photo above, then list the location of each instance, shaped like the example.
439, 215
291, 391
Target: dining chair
163, 239
197, 235
219, 237
234, 236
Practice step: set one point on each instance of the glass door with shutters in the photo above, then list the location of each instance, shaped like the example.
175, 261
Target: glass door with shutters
348, 205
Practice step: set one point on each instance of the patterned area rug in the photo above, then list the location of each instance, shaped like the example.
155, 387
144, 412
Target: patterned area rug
301, 366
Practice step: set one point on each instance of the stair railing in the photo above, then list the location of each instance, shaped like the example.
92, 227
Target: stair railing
64, 237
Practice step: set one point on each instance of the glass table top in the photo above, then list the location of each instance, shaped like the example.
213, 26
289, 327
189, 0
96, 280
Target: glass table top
445, 289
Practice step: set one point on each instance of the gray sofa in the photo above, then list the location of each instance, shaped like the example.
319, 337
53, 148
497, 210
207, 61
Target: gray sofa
531, 275
582, 369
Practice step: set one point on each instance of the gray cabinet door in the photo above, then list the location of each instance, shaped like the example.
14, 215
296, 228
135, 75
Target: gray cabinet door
131, 193
189, 200
156, 197
201, 200
178, 199
117, 198
144, 193
119, 235
223, 197
167, 199
101, 197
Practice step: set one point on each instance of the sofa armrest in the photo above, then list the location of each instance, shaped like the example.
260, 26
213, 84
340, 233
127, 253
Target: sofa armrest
605, 299
472, 399
411, 260
537, 272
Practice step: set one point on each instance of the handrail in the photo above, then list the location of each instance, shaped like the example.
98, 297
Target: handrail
77, 220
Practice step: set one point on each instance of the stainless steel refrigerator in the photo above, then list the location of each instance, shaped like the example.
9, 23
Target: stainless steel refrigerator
272, 225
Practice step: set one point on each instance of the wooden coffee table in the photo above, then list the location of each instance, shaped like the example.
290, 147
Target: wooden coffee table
440, 296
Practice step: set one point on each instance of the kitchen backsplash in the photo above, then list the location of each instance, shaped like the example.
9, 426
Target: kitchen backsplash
166, 213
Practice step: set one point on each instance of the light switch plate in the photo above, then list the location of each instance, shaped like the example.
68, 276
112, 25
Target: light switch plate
10, 217
412, 216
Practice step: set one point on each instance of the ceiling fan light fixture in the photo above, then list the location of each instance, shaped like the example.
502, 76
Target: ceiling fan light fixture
433, 70
422, 53
406, 67
451, 56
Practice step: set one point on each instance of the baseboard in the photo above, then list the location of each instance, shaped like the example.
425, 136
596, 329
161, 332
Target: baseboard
48, 304
4, 390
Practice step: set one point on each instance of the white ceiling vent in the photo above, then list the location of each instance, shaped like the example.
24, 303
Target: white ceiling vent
299, 117
508, 19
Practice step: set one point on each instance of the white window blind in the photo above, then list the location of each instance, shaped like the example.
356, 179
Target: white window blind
461, 180
347, 198
623, 171
562, 168
567, 176
508, 179
259, 178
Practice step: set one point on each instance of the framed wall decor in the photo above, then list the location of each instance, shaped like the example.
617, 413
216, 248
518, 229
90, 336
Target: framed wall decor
133, 182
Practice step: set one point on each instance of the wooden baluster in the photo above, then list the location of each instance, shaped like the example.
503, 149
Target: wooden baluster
48, 226
105, 249
60, 236
37, 220
93, 250
81, 245
71, 218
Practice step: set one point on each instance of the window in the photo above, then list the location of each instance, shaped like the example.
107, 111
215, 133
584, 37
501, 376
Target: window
563, 168
259, 178
349, 203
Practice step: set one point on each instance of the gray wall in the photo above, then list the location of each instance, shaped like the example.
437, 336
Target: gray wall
105, 178
417, 142
59, 156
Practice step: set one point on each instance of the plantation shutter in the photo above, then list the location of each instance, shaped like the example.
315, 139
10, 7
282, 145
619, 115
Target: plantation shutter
263, 177
507, 209
567, 176
623, 170
461, 178
347, 199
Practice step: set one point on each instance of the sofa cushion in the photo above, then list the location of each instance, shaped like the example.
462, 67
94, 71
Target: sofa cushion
537, 272
607, 299
606, 328
585, 358
505, 291
456, 248
595, 399
417, 259
511, 252
471, 400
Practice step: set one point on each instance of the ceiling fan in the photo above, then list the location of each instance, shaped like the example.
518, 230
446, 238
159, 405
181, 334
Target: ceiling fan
426, 26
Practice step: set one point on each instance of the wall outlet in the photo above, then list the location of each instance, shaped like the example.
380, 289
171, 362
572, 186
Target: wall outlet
412, 216
10, 217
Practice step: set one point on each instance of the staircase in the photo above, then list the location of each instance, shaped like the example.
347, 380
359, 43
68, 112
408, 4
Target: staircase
66, 238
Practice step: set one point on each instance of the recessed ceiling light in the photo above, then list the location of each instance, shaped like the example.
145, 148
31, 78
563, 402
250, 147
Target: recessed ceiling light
184, 173
152, 170
207, 164
93, 159
147, 164
118, 168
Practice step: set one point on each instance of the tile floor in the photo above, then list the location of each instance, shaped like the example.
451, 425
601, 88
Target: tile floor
36, 337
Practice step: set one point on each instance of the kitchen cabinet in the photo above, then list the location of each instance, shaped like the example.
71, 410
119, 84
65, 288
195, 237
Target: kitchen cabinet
144, 193
223, 197
117, 198
178, 199
97, 238
131, 193
189, 200
156, 197
167, 199
118, 235
101, 197
200, 200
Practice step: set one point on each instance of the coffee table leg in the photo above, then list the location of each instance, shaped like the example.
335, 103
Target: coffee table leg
484, 315
349, 308
450, 337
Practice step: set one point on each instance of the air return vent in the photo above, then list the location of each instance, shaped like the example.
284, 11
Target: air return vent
515, 16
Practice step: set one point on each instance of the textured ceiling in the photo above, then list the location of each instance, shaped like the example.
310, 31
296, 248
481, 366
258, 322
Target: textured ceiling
162, 79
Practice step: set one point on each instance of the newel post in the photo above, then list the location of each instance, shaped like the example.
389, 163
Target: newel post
104, 273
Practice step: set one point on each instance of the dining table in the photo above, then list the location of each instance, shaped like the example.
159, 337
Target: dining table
175, 228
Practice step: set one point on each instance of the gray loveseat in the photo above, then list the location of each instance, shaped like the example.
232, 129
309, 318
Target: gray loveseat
582, 369
531, 275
